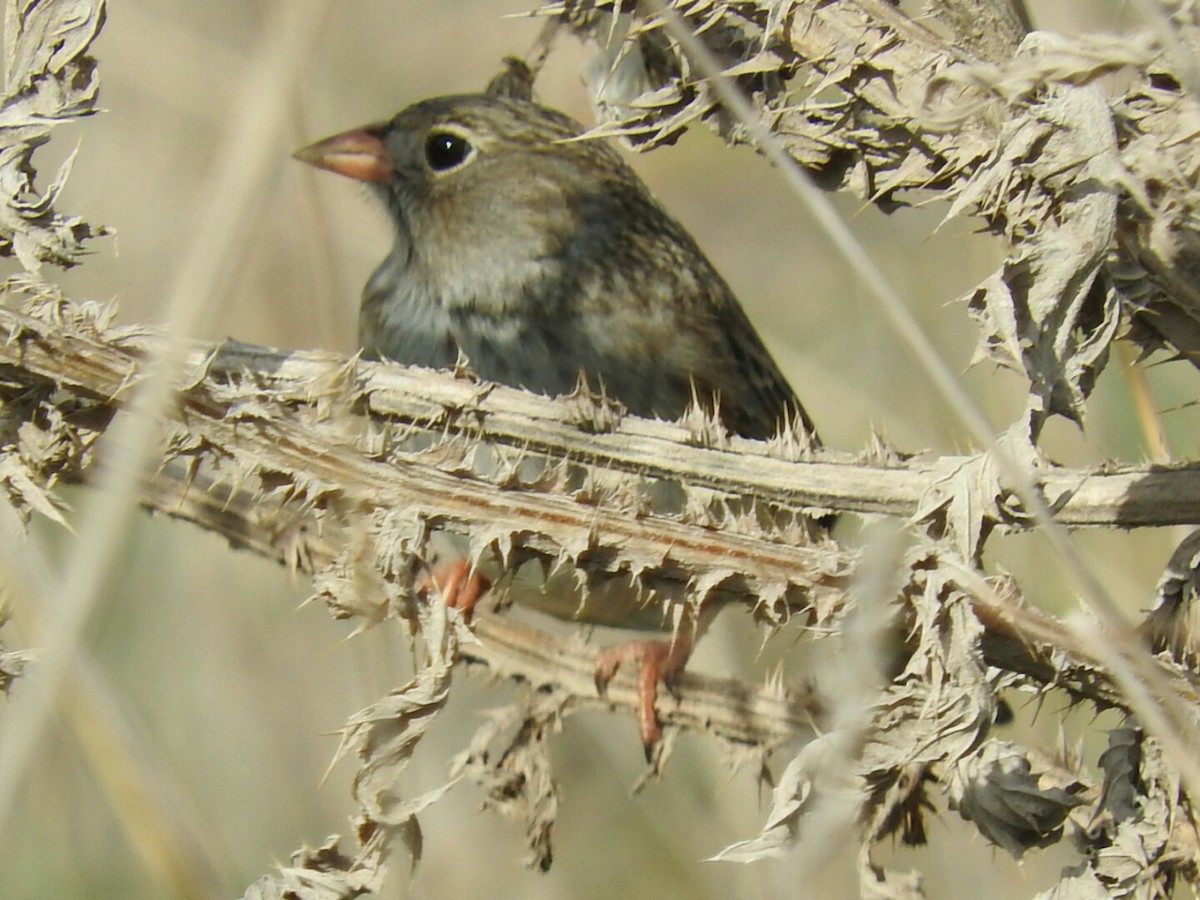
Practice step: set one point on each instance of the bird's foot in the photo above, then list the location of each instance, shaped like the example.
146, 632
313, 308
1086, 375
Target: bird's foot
657, 661
459, 585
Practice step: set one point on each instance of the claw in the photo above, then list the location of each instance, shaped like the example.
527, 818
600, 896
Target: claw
458, 583
657, 661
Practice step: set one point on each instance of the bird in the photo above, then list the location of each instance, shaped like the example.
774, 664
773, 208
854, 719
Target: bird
537, 253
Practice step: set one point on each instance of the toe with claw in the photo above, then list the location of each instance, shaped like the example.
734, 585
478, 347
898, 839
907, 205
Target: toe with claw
458, 583
657, 661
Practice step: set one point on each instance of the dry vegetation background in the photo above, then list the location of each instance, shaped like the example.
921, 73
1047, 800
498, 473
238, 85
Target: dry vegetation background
233, 693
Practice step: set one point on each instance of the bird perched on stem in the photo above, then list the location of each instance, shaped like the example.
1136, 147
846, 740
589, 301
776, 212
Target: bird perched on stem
540, 256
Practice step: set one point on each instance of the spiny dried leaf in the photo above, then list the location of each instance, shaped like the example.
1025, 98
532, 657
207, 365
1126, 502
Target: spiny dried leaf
823, 789
962, 503
1159, 271
324, 873
49, 79
47, 311
877, 883
509, 757
1170, 624
1122, 763
1077, 883
899, 801
13, 664
792, 801
644, 86
373, 574
1050, 312
971, 496
945, 674
936, 711
26, 494
1145, 850
997, 789
386, 733
1049, 58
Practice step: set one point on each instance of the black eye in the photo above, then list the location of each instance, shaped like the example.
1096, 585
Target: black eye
446, 150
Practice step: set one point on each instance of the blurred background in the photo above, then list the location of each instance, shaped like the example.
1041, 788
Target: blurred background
235, 690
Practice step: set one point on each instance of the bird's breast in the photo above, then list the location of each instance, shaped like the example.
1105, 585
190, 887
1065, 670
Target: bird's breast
402, 322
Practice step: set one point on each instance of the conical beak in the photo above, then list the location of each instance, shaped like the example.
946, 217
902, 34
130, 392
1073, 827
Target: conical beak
359, 154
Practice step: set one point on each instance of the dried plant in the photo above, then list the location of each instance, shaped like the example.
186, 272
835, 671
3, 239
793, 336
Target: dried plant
349, 470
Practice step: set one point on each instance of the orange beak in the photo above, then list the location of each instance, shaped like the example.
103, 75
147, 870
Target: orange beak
359, 154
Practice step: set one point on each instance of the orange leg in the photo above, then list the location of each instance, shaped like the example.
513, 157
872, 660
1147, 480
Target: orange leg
459, 585
658, 661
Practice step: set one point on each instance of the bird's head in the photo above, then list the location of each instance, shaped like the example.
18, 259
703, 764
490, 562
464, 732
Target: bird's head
484, 190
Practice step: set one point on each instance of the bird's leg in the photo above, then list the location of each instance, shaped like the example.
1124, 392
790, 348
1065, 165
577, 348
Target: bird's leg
459, 584
657, 661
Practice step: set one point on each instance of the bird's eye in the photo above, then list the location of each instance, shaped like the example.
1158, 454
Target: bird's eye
445, 150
